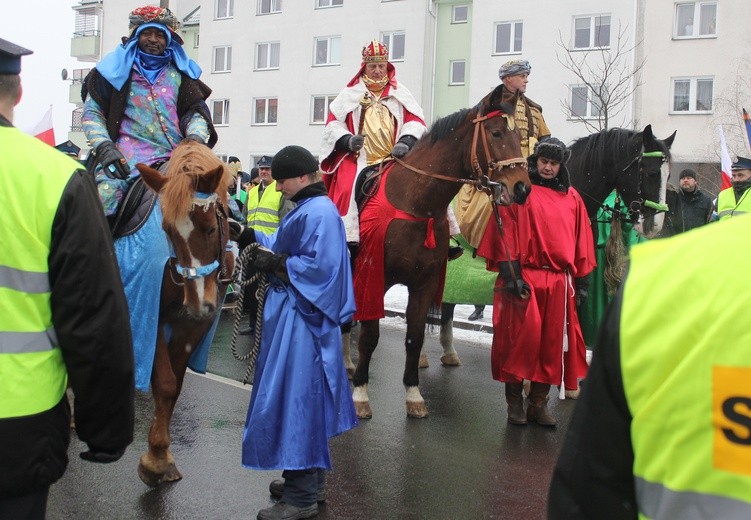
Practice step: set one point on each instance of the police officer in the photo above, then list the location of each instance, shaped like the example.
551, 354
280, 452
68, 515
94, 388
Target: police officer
63, 315
663, 424
736, 200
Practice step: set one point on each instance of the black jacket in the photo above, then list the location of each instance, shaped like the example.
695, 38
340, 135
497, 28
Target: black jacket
687, 211
91, 320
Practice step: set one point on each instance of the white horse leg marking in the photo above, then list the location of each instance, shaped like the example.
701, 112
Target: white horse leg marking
360, 394
184, 228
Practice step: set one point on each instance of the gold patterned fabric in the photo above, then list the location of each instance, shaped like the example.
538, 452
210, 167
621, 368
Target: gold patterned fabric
530, 136
378, 127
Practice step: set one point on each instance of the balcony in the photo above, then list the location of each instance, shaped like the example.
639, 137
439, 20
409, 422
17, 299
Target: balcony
86, 46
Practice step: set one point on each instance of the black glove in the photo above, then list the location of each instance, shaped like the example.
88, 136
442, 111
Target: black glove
194, 137
268, 261
403, 145
399, 150
355, 142
102, 456
247, 236
113, 163
235, 230
582, 287
511, 274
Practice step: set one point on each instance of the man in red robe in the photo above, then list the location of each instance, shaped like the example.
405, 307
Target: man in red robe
542, 257
373, 117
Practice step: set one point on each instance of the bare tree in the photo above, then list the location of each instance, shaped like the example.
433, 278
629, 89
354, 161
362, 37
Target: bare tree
609, 76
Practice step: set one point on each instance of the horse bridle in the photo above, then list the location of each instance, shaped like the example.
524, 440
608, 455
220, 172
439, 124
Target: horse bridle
482, 182
638, 160
203, 201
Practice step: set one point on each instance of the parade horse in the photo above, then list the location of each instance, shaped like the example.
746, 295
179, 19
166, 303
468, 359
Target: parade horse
470, 146
634, 163
193, 197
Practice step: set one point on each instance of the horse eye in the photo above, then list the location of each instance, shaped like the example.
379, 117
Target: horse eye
212, 230
496, 133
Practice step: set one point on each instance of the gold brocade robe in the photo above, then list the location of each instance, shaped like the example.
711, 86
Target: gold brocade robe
379, 130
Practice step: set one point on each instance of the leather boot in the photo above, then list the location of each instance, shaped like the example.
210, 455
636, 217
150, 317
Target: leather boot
515, 402
537, 409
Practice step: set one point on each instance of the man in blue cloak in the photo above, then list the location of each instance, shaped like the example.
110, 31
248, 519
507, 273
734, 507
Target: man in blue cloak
301, 394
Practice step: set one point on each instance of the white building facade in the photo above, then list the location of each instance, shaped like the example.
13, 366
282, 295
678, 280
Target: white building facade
274, 65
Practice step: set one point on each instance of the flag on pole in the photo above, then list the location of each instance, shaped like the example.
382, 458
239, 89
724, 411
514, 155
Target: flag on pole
725, 161
747, 121
44, 131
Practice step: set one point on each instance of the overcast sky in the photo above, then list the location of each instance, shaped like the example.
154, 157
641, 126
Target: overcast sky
45, 27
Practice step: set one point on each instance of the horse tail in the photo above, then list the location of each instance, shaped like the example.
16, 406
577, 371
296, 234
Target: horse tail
615, 256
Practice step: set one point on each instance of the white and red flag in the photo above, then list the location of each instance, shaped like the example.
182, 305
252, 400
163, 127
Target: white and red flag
725, 161
43, 130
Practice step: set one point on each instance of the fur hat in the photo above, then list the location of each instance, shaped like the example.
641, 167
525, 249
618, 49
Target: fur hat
293, 161
553, 149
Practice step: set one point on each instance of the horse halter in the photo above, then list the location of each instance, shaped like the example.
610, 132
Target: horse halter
202, 201
657, 206
482, 182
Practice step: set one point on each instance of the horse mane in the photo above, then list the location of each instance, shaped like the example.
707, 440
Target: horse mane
189, 163
598, 148
445, 126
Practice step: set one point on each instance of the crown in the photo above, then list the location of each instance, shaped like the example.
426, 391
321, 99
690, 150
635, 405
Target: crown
374, 52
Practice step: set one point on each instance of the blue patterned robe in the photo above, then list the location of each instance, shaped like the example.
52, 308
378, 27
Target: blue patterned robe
301, 394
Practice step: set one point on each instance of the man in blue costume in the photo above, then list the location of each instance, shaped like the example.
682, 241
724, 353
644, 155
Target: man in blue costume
140, 101
301, 395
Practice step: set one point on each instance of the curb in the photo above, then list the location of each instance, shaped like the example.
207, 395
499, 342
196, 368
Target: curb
458, 323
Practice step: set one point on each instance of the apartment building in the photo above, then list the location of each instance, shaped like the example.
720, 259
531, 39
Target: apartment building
274, 65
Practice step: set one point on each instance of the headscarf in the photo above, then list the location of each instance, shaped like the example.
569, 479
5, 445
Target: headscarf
116, 66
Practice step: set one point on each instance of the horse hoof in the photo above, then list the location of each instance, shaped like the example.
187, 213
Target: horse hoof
416, 409
172, 474
363, 410
423, 363
451, 360
150, 478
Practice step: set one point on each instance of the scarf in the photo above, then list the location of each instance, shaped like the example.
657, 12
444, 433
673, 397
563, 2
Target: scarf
117, 65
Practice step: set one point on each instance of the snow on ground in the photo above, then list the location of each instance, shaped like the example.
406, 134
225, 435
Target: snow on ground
396, 299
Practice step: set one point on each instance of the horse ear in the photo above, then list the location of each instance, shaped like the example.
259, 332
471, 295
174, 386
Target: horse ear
647, 134
669, 140
215, 177
151, 177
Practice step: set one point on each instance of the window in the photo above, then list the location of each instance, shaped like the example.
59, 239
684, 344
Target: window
269, 6
508, 37
320, 109
592, 31
459, 14
395, 42
265, 111
225, 8
457, 72
224, 157
222, 59
320, 4
686, 14
692, 95
88, 22
327, 50
267, 56
196, 40
220, 112
584, 103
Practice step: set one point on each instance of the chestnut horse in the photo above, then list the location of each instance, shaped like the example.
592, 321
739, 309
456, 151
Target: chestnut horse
468, 146
193, 196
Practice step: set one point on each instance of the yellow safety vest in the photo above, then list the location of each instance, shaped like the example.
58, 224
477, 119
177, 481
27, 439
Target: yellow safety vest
727, 207
263, 214
687, 378
33, 177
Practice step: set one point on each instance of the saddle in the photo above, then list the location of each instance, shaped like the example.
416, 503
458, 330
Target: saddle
135, 208
367, 184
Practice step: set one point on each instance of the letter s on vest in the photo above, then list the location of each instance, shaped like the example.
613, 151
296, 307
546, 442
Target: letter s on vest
731, 417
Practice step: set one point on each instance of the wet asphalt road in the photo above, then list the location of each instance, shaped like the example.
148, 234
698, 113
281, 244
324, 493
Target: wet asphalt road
464, 461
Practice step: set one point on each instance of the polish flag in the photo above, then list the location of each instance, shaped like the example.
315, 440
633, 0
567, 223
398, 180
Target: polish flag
725, 161
44, 131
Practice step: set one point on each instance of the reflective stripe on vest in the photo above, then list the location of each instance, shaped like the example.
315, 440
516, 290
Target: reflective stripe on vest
33, 177
263, 214
687, 374
727, 207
